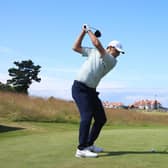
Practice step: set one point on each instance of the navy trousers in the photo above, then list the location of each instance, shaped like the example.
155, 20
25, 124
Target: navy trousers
90, 107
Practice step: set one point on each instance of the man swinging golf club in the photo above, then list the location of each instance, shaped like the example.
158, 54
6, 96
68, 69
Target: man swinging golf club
99, 62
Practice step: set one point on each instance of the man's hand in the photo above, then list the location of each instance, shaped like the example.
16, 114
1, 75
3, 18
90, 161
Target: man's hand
86, 27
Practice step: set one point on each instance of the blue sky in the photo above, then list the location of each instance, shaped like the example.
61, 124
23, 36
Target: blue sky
45, 30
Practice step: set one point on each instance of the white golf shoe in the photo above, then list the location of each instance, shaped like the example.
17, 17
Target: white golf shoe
95, 149
85, 153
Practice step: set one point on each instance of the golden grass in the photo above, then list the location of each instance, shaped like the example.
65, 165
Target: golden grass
18, 107
133, 117
22, 107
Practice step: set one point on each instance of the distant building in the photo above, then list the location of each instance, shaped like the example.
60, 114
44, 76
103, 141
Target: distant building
115, 105
141, 104
146, 104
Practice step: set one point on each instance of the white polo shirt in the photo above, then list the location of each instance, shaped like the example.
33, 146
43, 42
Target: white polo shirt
95, 67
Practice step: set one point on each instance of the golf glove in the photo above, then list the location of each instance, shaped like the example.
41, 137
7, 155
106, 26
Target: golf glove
86, 27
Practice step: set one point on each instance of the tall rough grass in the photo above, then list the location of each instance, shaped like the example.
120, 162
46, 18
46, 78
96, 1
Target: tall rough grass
18, 107
133, 117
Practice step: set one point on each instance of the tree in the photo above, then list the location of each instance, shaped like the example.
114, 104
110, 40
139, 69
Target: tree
6, 88
23, 75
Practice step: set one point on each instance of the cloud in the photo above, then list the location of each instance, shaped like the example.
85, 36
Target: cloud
61, 88
163, 99
49, 86
161, 94
51, 82
3, 77
62, 70
106, 85
5, 50
130, 95
109, 91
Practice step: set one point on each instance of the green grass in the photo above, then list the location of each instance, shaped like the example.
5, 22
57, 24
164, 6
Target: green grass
52, 145
45, 142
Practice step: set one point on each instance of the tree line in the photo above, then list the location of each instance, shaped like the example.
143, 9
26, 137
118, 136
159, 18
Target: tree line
22, 77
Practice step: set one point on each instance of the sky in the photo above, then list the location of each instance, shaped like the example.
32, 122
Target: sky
45, 31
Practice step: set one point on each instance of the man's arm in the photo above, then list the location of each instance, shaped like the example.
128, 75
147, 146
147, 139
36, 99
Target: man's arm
77, 45
85, 29
96, 43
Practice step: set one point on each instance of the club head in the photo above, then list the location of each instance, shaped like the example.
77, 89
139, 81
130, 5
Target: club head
97, 33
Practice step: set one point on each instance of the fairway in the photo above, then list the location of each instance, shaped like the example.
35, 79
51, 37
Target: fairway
51, 145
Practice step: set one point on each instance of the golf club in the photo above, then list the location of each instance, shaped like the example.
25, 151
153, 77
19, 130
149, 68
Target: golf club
97, 32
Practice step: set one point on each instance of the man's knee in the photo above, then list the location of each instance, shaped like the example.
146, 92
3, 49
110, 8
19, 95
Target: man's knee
104, 120
101, 121
85, 121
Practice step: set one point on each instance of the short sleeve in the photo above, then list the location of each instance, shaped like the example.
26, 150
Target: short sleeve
110, 61
86, 51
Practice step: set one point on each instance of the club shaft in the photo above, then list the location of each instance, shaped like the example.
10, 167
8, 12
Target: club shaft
93, 28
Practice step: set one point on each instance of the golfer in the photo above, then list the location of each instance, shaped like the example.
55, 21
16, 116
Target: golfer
98, 63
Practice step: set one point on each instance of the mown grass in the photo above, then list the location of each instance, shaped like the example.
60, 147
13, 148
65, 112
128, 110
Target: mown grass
53, 145
47, 136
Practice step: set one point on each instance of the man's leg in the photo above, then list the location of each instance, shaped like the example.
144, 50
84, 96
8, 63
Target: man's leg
100, 120
84, 104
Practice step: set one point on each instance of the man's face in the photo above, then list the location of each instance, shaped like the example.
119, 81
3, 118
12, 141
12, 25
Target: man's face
113, 51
